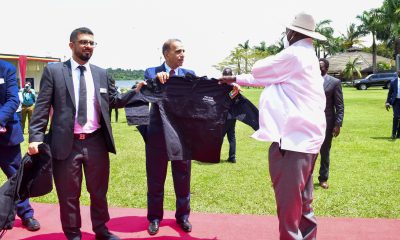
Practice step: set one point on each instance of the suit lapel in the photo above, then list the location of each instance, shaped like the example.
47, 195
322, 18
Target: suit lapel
67, 72
327, 82
96, 83
160, 69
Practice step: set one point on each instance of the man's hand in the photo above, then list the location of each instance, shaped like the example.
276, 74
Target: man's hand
162, 77
336, 131
236, 87
227, 79
140, 85
387, 106
33, 148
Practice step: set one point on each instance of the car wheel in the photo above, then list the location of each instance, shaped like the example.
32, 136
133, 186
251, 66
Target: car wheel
363, 87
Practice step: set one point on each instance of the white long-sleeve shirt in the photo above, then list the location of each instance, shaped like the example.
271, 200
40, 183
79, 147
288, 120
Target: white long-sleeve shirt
292, 104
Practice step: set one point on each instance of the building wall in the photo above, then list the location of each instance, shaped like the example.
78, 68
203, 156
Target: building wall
34, 69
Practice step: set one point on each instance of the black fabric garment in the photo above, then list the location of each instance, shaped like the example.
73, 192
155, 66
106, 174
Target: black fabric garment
37, 176
137, 110
33, 179
244, 111
8, 203
193, 112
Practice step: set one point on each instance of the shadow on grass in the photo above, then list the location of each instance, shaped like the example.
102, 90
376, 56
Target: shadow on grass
384, 138
221, 161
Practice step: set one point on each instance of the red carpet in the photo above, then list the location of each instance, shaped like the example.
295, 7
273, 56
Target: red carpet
130, 223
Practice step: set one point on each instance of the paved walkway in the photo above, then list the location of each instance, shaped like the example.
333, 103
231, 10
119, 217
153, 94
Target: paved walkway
130, 223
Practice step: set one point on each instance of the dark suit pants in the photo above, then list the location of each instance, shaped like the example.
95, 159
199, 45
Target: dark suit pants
291, 175
230, 132
396, 119
10, 162
156, 169
91, 155
325, 156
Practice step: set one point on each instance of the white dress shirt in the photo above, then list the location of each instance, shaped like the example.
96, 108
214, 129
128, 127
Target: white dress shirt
293, 102
168, 69
398, 88
93, 107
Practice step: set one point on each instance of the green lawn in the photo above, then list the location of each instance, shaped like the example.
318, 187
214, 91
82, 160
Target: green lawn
364, 177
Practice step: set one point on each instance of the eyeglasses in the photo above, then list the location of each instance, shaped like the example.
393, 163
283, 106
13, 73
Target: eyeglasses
87, 43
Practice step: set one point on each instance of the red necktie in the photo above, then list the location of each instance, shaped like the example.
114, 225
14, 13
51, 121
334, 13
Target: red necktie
171, 73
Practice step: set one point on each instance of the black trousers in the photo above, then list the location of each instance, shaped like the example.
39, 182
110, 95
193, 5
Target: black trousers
325, 156
91, 156
396, 119
230, 132
116, 113
156, 169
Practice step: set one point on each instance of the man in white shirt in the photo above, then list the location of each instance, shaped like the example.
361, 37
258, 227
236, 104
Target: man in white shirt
292, 117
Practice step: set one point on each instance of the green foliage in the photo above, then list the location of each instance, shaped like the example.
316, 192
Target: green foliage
351, 69
364, 172
383, 66
126, 74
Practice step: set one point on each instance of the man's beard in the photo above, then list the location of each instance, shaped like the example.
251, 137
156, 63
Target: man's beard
85, 57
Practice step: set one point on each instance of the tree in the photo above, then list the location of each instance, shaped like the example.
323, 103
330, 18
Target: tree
333, 46
351, 69
391, 17
245, 47
372, 22
324, 28
353, 36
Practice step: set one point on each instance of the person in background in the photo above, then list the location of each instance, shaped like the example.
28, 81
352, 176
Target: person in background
393, 99
11, 137
19, 109
28, 101
334, 113
230, 127
80, 135
115, 109
292, 118
156, 152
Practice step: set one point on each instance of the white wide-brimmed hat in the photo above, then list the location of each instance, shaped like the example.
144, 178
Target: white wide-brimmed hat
304, 23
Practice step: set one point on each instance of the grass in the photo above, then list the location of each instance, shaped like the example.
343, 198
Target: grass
364, 174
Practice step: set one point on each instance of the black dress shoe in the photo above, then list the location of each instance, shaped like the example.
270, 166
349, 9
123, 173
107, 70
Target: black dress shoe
104, 234
31, 224
72, 233
153, 227
232, 160
185, 226
393, 136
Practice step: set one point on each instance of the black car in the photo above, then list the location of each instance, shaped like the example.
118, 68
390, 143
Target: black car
375, 80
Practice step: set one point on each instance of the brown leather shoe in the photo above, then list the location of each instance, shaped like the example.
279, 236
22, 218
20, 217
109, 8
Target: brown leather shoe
324, 185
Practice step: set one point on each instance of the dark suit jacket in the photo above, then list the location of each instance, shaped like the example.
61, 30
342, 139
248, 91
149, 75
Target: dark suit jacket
9, 103
334, 110
392, 94
57, 91
151, 73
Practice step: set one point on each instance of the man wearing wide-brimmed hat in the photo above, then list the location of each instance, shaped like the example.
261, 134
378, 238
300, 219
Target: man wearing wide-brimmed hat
292, 118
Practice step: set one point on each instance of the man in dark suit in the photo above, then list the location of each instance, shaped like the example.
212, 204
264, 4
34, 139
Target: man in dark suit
393, 99
230, 126
334, 113
11, 137
80, 134
156, 153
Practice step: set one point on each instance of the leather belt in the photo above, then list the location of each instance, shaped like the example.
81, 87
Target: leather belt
83, 136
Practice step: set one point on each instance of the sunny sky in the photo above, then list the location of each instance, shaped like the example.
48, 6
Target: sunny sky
130, 33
